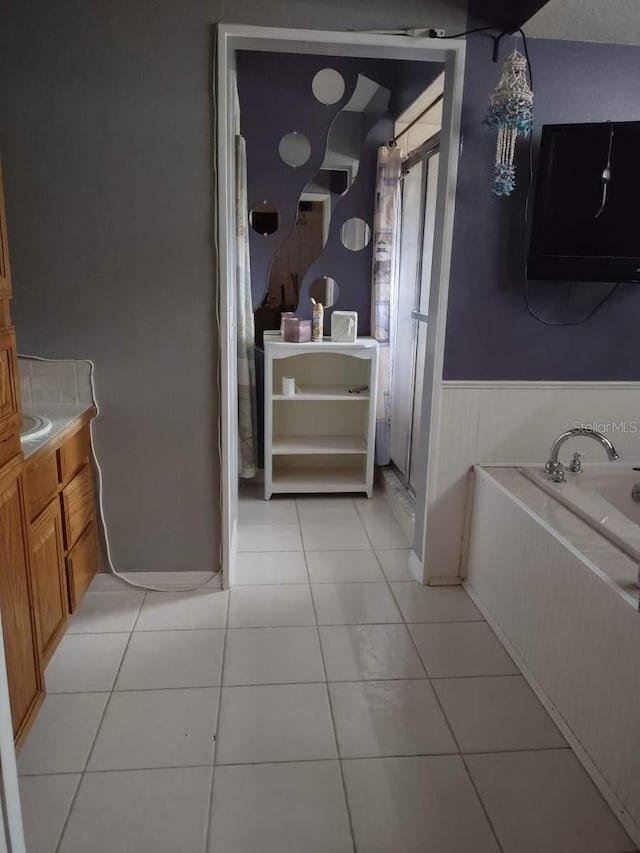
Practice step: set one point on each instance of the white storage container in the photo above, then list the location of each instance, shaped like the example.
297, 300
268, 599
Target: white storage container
344, 326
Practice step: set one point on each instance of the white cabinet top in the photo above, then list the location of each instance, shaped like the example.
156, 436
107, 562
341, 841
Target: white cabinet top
279, 347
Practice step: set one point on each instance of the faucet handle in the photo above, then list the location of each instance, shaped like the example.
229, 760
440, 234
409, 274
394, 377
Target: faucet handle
576, 463
555, 471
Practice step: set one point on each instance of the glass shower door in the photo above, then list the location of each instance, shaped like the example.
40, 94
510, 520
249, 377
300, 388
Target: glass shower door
411, 327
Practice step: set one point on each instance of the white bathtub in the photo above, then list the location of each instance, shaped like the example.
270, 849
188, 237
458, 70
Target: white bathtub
601, 496
564, 600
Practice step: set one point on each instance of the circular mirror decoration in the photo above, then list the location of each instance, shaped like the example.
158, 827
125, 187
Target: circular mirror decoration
355, 234
325, 291
328, 86
264, 218
294, 149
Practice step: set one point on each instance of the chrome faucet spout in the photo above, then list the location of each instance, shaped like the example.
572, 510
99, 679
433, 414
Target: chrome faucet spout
555, 468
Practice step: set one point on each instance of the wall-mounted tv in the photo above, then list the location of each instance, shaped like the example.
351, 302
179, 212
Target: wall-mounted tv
586, 222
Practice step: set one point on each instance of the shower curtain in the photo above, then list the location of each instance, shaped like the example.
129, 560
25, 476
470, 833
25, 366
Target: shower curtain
246, 359
386, 230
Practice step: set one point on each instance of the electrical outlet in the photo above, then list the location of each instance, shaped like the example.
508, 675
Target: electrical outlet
437, 33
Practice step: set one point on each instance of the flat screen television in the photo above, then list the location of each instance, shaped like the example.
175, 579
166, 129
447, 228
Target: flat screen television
587, 227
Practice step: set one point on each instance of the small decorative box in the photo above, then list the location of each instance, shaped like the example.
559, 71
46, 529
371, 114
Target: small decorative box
297, 331
344, 326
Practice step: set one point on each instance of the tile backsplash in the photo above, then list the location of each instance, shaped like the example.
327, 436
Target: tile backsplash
54, 382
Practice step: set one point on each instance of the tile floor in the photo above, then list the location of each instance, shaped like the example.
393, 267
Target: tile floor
328, 703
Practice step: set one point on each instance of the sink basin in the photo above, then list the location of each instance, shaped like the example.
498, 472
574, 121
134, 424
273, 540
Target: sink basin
34, 427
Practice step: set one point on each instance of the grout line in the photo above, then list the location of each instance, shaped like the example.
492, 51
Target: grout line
297, 761
217, 730
328, 692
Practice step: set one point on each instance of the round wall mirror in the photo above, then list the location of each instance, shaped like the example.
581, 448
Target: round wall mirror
264, 218
325, 291
355, 234
328, 86
294, 149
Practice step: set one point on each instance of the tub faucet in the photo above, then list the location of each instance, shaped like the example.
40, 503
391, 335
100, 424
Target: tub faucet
555, 468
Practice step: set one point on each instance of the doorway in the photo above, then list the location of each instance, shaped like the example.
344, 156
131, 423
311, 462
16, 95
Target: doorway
230, 40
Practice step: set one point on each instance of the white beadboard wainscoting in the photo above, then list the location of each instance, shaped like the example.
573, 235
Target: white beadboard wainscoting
512, 422
573, 632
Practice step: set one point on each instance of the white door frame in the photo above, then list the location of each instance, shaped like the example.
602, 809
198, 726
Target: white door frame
231, 38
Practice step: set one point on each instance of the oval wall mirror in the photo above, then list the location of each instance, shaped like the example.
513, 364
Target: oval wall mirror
355, 234
328, 86
264, 218
325, 290
294, 149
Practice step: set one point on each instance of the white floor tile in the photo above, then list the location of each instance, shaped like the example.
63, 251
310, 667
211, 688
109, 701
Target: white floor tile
106, 582
157, 728
375, 510
105, 612
544, 801
369, 652
327, 511
158, 659
354, 603
269, 537
420, 603
270, 606
377, 718
335, 537
395, 564
272, 567
85, 663
272, 656
275, 808
455, 649
45, 804
275, 511
386, 536
495, 714
343, 566
288, 722
411, 805
62, 734
183, 610
140, 811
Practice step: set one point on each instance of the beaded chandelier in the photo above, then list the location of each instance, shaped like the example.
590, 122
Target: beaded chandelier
511, 114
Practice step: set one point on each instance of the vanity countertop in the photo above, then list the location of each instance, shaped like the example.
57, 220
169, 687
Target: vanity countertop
61, 416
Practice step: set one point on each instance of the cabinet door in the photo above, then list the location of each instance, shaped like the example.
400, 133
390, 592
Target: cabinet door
49, 577
5, 274
9, 399
16, 601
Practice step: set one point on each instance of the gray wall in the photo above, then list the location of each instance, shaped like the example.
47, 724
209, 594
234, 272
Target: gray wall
490, 335
106, 147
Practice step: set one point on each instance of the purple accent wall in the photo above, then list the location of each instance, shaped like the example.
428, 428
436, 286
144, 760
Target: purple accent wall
490, 335
276, 97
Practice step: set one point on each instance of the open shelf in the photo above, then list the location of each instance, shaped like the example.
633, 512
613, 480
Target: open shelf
318, 444
319, 480
322, 392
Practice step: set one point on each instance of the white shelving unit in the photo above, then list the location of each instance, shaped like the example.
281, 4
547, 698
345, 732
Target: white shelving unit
321, 439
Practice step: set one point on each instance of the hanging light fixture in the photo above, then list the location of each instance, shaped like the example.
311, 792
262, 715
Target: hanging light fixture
511, 114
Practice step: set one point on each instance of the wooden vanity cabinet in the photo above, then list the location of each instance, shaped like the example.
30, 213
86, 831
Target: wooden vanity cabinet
19, 623
61, 500
21, 641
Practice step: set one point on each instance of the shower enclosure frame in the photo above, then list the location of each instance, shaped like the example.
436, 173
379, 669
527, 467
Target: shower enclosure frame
230, 38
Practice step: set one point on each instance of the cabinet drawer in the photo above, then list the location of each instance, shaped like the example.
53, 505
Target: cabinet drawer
82, 563
74, 454
78, 503
42, 481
